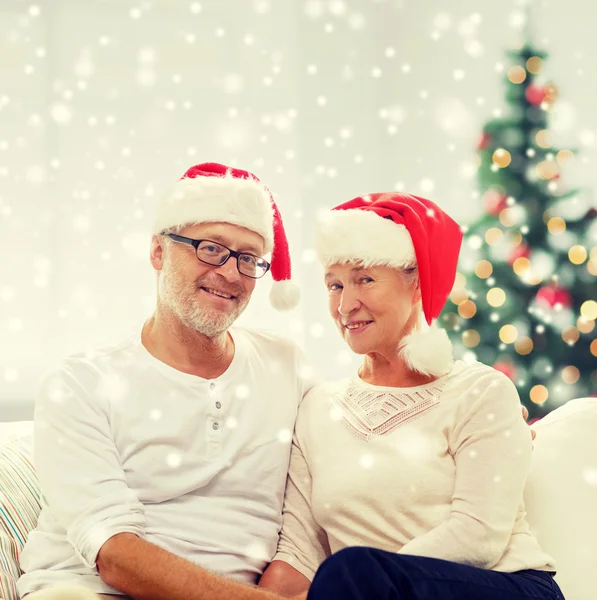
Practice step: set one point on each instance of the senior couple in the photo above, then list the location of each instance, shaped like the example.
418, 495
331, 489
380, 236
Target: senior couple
197, 460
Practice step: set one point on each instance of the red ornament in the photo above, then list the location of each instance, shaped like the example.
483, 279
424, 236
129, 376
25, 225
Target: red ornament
521, 251
495, 202
505, 367
484, 141
550, 295
535, 95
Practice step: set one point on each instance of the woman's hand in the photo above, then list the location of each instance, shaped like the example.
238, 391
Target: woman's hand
525, 416
281, 578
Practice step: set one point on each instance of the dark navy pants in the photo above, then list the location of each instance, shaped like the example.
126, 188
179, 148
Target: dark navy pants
370, 574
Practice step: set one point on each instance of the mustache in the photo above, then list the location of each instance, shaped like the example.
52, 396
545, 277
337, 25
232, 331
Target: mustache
222, 285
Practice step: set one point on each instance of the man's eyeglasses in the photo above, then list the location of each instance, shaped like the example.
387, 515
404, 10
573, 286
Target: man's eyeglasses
216, 254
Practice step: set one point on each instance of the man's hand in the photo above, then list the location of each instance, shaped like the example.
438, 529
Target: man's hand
525, 416
142, 570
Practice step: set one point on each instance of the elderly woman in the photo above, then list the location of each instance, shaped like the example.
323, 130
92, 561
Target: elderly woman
409, 476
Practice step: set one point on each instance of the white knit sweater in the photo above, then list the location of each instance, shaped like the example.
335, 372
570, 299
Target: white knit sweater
437, 470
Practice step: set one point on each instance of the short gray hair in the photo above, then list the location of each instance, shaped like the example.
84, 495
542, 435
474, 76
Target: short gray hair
411, 272
176, 229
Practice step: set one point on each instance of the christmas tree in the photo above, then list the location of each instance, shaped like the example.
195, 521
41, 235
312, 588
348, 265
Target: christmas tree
525, 295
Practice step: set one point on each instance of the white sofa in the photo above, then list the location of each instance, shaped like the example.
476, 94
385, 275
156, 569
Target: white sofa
561, 494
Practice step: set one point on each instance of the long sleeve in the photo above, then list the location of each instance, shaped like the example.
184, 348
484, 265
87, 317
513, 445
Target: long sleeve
303, 543
78, 464
491, 446
308, 376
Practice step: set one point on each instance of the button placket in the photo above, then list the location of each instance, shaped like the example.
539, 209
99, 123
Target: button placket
214, 426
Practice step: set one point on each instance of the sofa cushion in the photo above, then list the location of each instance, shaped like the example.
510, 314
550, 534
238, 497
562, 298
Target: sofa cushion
561, 494
19, 509
13, 430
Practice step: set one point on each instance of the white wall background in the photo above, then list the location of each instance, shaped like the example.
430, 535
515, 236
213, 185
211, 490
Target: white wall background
103, 104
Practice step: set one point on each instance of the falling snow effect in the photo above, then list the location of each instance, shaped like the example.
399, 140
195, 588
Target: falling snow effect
94, 129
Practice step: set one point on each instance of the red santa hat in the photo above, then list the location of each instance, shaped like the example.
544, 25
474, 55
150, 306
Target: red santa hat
400, 230
214, 193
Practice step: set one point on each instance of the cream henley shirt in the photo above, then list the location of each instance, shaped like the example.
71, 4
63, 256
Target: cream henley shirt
125, 443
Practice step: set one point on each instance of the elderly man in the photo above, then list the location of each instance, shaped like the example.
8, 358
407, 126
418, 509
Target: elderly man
163, 457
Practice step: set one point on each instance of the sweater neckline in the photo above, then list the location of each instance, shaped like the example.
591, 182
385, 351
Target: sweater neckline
439, 382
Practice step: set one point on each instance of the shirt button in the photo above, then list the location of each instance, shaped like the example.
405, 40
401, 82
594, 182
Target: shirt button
218, 405
216, 426
212, 386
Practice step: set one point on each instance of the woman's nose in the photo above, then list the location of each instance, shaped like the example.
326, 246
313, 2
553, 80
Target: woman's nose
348, 302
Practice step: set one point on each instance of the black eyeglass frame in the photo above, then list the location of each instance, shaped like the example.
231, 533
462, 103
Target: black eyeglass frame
196, 243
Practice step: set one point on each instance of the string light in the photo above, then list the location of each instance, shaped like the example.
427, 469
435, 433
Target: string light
483, 269
507, 217
460, 281
517, 74
474, 243
531, 279
542, 137
534, 65
588, 309
547, 169
501, 158
585, 325
508, 334
593, 347
563, 156
521, 265
571, 335
577, 255
556, 225
523, 345
467, 310
551, 92
471, 338
570, 374
459, 296
496, 297
539, 394
493, 235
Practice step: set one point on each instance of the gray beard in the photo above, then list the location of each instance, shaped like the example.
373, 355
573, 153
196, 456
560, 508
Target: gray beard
185, 305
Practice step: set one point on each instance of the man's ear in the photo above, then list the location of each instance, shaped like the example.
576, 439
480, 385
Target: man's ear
156, 252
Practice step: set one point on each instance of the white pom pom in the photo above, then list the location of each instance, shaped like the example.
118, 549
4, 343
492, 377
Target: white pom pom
284, 295
64, 592
428, 351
